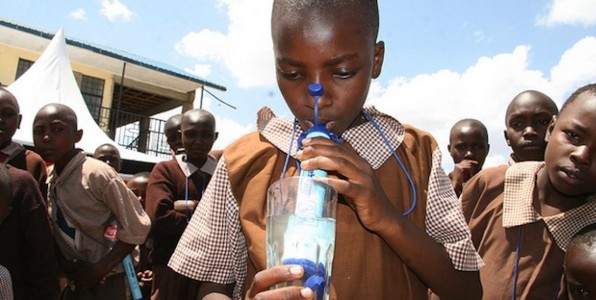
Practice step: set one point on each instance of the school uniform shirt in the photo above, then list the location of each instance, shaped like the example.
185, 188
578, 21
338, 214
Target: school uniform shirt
89, 195
225, 240
171, 180
498, 204
5, 285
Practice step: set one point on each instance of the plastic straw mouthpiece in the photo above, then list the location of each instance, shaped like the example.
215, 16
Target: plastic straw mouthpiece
315, 89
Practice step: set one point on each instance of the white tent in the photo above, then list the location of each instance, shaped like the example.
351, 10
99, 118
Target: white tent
50, 80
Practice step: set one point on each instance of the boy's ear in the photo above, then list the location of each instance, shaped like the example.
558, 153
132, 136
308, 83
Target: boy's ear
78, 135
19, 121
216, 136
379, 56
506, 138
551, 126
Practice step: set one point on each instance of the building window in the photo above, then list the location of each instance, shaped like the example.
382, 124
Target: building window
92, 90
22, 67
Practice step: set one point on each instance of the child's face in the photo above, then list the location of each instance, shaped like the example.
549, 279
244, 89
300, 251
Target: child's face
468, 143
110, 156
570, 157
54, 134
527, 121
198, 136
10, 118
138, 186
173, 137
580, 272
338, 52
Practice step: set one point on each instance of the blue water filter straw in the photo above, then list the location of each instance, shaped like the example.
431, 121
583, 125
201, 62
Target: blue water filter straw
301, 234
311, 199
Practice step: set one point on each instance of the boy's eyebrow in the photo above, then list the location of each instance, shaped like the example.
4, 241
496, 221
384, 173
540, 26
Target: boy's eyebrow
341, 59
331, 62
577, 126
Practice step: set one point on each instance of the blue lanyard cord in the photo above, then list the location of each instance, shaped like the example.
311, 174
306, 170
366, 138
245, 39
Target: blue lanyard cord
378, 128
285, 169
401, 164
516, 267
186, 201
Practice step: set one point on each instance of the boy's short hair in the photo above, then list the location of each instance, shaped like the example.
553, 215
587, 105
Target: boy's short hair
107, 145
591, 88
369, 9
472, 123
585, 237
189, 114
71, 115
12, 96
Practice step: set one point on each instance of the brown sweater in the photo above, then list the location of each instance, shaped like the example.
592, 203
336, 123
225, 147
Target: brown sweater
167, 183
33, 163
541, 260
26, 242
364, 267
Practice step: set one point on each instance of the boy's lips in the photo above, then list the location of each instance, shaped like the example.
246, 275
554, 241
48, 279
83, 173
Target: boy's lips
329, 125
531, 145
573, 174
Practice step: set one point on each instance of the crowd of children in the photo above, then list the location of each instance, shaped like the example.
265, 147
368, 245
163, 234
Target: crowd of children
405, 229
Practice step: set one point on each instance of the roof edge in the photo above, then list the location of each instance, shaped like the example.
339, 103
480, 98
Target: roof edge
112, 54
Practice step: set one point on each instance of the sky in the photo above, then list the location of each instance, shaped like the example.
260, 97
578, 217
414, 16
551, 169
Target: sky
444, 60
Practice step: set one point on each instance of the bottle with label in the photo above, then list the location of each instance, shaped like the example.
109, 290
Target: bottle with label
131, 275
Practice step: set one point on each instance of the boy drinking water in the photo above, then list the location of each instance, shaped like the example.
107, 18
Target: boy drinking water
380, 253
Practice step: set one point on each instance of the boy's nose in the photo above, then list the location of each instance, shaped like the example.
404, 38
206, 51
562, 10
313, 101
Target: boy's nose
581, 156
529, 132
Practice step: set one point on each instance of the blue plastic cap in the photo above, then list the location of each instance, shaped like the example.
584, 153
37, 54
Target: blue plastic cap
315, 89
317, 284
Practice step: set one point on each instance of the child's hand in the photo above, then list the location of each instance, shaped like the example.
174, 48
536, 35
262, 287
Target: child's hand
356, 180
464, 170
267, 278
146, 275
184, 205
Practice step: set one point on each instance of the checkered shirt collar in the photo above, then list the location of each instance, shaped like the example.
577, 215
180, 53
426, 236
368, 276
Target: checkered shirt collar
189, 168
520, 182
373, 149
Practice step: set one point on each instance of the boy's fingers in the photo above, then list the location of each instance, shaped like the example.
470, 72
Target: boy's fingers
272, 276
287, 293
